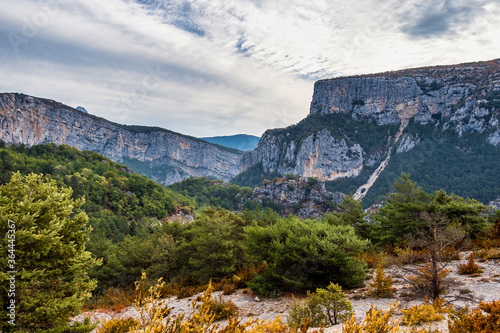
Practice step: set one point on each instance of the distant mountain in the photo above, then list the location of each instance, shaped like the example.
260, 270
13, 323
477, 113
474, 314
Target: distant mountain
160, 154
240, 141
81, 108
441, 124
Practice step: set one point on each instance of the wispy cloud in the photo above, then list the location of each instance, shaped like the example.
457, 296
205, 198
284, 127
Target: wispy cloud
205, 67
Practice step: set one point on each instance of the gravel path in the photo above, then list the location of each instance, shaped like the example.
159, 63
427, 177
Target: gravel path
484, 287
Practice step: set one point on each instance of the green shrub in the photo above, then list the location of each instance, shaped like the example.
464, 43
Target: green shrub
306, 254
222, 309
325, 307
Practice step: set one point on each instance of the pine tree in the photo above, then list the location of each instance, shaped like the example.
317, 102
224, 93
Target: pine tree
51, 262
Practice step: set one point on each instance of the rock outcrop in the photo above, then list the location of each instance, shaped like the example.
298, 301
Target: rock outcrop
300, 196
30, 120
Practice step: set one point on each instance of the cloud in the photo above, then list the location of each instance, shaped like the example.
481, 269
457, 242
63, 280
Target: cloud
206, 68
435, 18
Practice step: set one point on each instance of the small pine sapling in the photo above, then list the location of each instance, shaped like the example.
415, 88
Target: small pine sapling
381, 286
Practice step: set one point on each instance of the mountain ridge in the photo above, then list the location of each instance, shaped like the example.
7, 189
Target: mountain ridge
171, 156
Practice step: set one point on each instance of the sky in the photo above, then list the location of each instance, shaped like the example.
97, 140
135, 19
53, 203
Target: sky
223, 67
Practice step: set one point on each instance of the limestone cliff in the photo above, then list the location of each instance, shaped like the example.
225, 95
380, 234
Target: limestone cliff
30, 120
355, 122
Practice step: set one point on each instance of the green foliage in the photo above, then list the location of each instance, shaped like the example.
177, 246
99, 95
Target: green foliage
214, 245
305, 254
350, 212
308, 311
402, 214
325, 307
117, 202
335, 304
312, 181
48, 247
465, 165
215, 193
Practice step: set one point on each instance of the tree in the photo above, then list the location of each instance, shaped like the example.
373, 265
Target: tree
215, 245
402, 214
305, 254
335, 303
435, 238
51, 282
325, 307
350, 212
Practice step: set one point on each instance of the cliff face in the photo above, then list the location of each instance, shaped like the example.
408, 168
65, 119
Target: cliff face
318, 155
461, 99
30, 120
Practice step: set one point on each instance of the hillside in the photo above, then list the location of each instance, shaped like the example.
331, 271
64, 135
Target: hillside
240, 141
440, 123
163, 155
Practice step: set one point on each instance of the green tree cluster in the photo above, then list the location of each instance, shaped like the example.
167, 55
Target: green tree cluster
402, 215
44, 232
305, 254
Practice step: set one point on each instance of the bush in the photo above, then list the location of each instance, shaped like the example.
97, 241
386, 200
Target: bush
381, 286
375, 321
470, 267
307, 254
485, 319
118, 326
420, 313
220, 308
307, 312
325, 307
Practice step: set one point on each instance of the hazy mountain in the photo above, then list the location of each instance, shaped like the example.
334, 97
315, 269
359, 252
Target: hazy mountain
239, 141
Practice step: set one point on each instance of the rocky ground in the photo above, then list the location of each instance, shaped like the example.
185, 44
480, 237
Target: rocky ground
464, 291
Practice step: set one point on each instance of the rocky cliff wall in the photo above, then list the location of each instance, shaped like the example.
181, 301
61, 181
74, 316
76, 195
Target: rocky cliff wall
30, 120
464, 98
